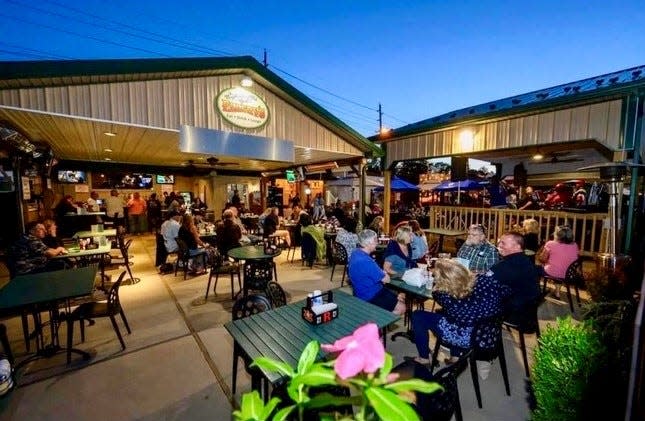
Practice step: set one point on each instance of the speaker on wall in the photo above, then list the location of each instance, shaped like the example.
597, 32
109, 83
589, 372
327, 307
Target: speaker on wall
459, 168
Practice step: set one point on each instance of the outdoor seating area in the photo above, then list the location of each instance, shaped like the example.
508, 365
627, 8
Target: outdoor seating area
174, 359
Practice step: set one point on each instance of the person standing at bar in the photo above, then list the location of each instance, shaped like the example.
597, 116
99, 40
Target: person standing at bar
137, 214
114, 208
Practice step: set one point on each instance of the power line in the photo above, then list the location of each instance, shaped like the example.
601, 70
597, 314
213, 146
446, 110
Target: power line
37, 53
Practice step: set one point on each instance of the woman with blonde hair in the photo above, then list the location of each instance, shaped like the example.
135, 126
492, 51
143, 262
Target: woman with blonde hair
398, 254
377, 225
530, 231
465, 299
419, 240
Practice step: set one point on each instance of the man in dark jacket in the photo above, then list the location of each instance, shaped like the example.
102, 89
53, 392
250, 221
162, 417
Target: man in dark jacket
518, 272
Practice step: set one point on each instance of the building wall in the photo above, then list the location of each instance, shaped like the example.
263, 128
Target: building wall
170, 103
600, 122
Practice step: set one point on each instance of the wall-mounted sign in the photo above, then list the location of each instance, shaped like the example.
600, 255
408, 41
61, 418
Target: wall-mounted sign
242, 108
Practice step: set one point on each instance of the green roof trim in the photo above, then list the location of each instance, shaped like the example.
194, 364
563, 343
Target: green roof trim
42, 69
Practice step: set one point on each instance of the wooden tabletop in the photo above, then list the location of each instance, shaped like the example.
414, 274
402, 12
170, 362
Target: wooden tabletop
282, 334
77, 252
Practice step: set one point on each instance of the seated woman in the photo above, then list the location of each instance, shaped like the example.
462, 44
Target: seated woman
346, 235
530, 231
228, 232
270, 224
419, 240
377, 225
558, 254
317, 233
368, 279
465, 299
189, 233
398, 254
51, 238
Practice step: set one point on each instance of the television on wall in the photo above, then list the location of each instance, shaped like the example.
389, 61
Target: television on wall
71, 177
133, 181
165, 179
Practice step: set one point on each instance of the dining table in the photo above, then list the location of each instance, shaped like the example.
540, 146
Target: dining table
283, 334
90, 256
110, 232
254, 253
414, 297
47, 290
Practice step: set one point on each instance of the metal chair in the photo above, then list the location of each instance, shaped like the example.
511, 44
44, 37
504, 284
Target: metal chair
184, 256
223, 267
308, 249
257, 275
486, 344
95, 310
276, 294
528, 327
244, 307
124, 247
339, 257
573, 277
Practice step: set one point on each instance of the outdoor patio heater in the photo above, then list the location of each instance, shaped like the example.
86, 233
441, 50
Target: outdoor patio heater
614, 174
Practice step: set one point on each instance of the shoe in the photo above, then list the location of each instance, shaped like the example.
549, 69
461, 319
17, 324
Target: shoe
483, 368
410, 359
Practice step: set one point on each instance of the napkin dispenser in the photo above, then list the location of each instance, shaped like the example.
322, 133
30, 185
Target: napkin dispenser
320, 309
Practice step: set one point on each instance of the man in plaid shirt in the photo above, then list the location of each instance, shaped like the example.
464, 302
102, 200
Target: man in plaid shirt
480, 253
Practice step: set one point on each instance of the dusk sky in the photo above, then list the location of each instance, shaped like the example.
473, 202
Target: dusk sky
418, 59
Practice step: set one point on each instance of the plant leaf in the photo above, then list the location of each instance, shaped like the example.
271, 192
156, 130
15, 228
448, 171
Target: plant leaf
269, 407
316, 376
386, 369
414, 384
308, 356
270, 364
327, 399
252, 405
283, 413
389, 406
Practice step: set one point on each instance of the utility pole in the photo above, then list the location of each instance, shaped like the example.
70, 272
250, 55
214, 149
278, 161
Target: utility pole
265, 60
380, 119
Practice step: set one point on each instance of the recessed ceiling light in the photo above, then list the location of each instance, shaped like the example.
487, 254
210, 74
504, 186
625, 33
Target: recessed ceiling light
109, 134
107, 150
537, 157
107, 159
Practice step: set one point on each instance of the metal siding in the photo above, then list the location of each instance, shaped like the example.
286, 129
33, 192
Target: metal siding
170, 103
613, 124
185, 103
57, 100
138, 101
597, 126
99, 106
562, 124
545, 127
120, 102
579, 123
79, 98
154, 99
515, 132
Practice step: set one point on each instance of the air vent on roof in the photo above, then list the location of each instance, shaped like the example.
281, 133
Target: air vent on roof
492, 106
576, 89
516, 101
542, 95
600, 82
613, 80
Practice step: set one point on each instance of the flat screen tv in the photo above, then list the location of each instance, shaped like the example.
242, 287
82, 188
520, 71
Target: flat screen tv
133, 181
165, 179
72, 177
6, 180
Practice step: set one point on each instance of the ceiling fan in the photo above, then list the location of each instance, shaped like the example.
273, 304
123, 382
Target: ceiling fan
211, 161
555, 158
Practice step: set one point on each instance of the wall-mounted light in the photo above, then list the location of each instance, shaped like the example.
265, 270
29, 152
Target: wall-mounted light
307, 191
537, 156
247, 82
108, 150
110, 134
467, 139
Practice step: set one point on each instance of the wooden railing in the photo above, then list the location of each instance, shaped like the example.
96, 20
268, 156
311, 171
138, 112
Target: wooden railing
588, 228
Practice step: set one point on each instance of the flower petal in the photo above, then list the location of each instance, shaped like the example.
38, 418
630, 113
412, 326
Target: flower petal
374, 355
349, 363
366, 332
339, 345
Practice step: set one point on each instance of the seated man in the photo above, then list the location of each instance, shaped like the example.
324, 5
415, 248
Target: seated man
479, 252
170, 231
368, 279
228, 232
520, 274
30, 255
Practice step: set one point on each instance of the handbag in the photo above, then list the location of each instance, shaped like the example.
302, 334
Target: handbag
542, 255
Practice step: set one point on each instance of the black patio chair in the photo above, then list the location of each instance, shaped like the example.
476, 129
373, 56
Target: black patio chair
276, 294
257, 275
339, 257
308, 249
573, 277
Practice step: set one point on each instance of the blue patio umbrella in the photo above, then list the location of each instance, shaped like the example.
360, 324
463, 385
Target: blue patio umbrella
399, 185
459, 185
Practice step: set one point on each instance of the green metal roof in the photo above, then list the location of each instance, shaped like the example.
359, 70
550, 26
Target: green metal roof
25, 74
618, 83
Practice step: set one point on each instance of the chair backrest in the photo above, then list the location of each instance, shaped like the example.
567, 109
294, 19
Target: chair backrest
574, 274
249, 305
308, 245
182, 249
486, 334
257, 274
161, 253
276, 294
114, 305
340, 253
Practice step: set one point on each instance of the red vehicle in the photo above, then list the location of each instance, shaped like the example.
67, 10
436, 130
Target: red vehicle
567, 194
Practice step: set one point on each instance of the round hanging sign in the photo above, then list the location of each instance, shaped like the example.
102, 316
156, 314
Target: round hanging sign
242, 108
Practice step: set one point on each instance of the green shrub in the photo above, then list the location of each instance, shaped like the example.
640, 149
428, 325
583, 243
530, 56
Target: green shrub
567, 358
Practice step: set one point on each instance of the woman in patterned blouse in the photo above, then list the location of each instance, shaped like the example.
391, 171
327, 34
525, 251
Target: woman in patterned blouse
465, 299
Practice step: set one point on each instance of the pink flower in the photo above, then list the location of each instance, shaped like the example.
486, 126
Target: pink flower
360, 351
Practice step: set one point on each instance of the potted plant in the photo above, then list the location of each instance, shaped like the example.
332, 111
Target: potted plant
362, 366
566, 360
